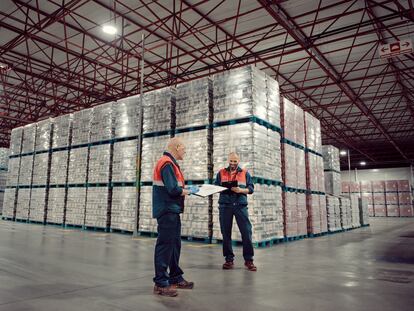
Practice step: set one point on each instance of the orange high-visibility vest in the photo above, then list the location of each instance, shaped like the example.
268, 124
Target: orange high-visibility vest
226, 176
157, 178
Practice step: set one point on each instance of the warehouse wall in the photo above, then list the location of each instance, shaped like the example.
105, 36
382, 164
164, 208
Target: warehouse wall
400, 173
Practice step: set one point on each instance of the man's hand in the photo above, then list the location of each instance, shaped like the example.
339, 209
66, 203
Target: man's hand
185, 192
239, 190
192, 189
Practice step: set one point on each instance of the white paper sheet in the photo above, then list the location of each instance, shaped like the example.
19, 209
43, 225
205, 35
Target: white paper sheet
207, 189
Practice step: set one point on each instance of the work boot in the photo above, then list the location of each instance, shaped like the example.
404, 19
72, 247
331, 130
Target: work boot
183, 285
168, 291
228, 265
250, 266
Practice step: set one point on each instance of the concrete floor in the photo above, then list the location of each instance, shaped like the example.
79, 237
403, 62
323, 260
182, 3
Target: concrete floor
48, 268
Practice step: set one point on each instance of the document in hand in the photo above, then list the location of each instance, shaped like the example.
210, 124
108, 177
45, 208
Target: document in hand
207, 189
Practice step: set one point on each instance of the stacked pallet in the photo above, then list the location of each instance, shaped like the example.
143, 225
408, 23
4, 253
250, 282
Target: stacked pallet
78, 168
124, 163
405, 199
98, 196
41, 172
345, 213
4, 159
257, 145
333, 213
355, 212
26, 172
316, 201
332, 170
294, 169
159, 107
61, 140
12, 180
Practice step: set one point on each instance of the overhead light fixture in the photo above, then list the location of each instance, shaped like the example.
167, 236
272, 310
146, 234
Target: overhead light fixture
362, 163
109, 29
343, 152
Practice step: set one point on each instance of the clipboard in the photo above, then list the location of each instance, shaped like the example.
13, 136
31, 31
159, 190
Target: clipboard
207, 190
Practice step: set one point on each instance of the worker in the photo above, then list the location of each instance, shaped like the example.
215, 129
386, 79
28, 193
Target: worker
168, 195
233, 202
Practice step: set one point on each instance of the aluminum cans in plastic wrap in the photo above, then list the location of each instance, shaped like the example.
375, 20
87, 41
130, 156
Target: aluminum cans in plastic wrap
331, 158
9, 202
126, 117
62, 126
313, 133
38, 204
41, 169
293, 122
4, 158
26, 170
273, 101
356, 223
193, 102
23, 204
333, 213
29, 138
16, 141
101, 125
146, 222
56, 205
124, 163
257, 147
316, 172
75, 206
124, 203
59, 167
332, 182
99, 163
13, 172
97, 214
81, 126
314, 210
158, 106
43, 135
346, 213
194, 220
240, 93
78, 162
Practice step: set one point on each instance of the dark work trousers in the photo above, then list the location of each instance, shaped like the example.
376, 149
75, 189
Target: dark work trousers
226, 223
167, 250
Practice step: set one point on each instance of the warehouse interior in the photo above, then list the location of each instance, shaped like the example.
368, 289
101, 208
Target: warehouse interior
315, 97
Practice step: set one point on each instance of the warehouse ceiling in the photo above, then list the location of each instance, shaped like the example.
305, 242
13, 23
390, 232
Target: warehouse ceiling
55, 59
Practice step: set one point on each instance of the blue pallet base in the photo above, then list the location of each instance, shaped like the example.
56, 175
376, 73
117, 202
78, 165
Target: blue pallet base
36, 222
294, 238
315, 235
120, 231
8, 218
148, 234
92, 228
72, 226
21, 220
54, 224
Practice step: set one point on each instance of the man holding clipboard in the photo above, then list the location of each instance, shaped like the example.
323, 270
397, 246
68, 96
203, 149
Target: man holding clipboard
233, 203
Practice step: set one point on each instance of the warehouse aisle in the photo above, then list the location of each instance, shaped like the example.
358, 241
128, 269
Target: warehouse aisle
47, 268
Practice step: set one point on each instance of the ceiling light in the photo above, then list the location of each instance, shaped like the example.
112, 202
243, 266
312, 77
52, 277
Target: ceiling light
363, 163
343, 152
109, 29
